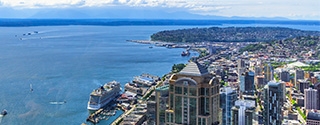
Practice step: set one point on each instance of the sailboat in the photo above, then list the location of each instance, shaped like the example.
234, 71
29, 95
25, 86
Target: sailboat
31, 89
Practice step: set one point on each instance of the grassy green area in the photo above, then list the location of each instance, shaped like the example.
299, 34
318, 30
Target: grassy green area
313, 68
301, 113
259, 103
202, 53
177, 67
278, 64
223, 83
276, 77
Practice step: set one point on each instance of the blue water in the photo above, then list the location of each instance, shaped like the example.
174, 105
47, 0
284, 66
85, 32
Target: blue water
65, 63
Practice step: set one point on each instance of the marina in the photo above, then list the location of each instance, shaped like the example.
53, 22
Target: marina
102, 114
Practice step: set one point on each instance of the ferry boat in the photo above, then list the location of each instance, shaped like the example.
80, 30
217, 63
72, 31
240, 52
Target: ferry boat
102, 96
185, 53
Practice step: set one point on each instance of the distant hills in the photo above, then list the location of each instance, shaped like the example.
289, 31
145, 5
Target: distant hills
142, 22
230, 34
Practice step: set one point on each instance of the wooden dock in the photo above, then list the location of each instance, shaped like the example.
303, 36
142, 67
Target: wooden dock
94, 117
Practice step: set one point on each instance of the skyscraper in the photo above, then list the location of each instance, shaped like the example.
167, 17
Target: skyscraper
317, 87
284, 75
257, 70
228, 96
311, 98
302, 84
268, 73
273, 97
162, 94
241, 66
193, 97
299, 74
247, 82
243, 113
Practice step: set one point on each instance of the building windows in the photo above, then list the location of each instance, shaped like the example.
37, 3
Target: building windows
185, 83
185, 91
201, 91
178, 110
169, 117
171, 101
206, 91
192, 91
178, 90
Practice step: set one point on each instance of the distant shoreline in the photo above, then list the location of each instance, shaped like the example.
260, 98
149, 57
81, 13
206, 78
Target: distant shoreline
145, 22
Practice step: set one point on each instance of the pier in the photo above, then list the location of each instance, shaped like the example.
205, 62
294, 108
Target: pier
101, 114
128, 112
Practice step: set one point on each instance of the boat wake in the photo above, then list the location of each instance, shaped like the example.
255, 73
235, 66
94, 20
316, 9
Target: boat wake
58, 103
1, 116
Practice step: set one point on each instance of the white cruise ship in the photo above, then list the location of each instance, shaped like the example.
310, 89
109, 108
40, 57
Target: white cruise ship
104, 95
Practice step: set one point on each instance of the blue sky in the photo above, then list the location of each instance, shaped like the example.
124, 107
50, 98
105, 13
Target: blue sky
291, 9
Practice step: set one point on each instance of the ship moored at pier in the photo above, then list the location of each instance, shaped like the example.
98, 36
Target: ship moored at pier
103, 95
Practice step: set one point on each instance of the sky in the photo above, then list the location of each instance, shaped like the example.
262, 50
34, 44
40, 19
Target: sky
290, 9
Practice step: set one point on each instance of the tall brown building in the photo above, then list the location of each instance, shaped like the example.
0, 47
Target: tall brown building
193, 97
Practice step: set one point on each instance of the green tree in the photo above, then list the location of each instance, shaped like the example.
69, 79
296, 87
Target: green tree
177, 67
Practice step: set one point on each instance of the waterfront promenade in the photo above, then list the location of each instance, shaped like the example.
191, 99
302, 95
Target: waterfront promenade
147, 94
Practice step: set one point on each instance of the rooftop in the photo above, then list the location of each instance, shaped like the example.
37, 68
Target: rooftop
194, 69
273, 83
164, 87
313, 115
296, 64
246, 103
227, 90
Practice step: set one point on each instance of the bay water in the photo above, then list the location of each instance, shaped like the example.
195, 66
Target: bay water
65, 63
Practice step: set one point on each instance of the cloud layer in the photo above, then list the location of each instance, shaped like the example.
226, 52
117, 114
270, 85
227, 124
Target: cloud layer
294, 9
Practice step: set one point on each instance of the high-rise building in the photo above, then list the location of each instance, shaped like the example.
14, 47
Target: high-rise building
151, 112
260, 81
302, 84
162, 94
241, 66
299, 74
311, 98
257, 70
273, 97
317, 87
228, 96
193, 97
284, 75
243, 113
247, 82
268, 73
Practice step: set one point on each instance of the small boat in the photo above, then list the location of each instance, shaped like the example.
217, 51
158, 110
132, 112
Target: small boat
185, 53
150, 47
4, 112
31, 89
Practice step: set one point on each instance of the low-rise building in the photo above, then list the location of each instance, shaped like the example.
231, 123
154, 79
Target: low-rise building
313, 118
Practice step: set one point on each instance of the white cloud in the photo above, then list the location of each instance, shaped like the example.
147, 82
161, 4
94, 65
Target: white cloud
258, 8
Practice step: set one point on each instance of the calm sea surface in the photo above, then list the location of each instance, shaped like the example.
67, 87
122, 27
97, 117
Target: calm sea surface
65, 63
